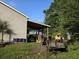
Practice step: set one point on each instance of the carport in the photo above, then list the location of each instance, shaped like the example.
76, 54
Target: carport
38, 27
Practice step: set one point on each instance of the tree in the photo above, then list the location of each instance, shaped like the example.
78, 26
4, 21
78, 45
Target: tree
68, 16
9, 32
52, 20
4, 28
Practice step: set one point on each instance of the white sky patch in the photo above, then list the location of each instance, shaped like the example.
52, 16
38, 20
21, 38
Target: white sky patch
12, 3
1, 0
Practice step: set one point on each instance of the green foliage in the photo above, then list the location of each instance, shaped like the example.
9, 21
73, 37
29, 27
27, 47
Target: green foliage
52, 20
67, 16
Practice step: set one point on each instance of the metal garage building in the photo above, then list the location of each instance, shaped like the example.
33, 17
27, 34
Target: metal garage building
18, 22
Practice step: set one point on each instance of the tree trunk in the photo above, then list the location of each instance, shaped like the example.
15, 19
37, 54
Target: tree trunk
9, 37
2, 36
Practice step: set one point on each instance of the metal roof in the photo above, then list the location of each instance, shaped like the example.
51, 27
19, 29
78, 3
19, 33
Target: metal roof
35, 25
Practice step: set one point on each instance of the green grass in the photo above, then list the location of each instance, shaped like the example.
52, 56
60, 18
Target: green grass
18, 51
32, 51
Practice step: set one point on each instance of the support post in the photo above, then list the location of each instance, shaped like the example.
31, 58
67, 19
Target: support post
47, 32
26, 28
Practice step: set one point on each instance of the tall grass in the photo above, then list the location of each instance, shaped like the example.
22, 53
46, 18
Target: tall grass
33, 51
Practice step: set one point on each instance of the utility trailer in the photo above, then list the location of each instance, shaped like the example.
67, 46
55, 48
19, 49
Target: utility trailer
62, 47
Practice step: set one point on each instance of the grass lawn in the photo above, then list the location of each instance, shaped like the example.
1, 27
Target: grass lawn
32, 51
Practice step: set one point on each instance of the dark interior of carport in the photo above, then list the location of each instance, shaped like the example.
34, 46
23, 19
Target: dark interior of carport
38, 27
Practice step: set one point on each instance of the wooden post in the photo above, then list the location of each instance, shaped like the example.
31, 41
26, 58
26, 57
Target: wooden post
47, 32
47, 39
26, 28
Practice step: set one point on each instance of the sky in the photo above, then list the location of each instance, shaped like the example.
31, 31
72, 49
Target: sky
31, 8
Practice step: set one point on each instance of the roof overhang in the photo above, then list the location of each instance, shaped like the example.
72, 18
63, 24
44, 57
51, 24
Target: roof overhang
35, 25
